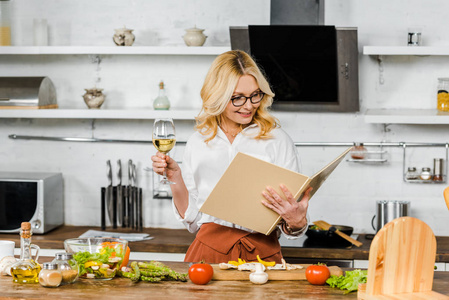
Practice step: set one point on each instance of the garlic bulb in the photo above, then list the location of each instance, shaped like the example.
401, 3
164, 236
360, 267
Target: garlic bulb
259, 276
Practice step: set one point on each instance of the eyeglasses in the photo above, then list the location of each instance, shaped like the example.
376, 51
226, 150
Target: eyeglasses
241, 100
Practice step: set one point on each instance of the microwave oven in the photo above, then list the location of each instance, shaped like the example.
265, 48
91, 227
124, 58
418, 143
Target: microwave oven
31, 197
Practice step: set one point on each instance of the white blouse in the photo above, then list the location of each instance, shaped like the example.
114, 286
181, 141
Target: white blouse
204, 164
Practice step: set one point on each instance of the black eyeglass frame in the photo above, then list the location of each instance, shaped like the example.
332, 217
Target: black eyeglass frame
250, 99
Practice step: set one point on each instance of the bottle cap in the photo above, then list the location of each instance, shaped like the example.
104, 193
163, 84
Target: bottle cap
49, 266
25, 226
63, 256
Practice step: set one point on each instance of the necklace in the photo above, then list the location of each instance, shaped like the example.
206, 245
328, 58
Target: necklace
233, 135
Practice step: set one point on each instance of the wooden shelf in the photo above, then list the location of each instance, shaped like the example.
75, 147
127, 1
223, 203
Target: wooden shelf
142, 114
114, 50
405, 50
406, 116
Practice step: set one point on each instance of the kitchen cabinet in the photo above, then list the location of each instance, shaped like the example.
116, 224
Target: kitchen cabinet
179, 114
406, 116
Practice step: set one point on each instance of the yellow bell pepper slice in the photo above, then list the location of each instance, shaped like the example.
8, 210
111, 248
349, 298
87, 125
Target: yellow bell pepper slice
237, 263
266, 263
92, 263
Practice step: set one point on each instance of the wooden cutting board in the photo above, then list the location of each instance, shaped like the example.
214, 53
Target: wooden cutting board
298, 274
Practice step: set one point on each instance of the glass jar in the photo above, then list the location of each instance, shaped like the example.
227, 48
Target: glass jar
5, 23
50, 276
443, 94
438, 169
411, 174
425, 174
358, 151
68, 267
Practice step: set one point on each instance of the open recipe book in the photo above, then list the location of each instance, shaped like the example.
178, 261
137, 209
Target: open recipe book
237, 197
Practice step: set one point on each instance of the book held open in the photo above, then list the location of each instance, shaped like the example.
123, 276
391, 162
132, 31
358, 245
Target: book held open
237, 197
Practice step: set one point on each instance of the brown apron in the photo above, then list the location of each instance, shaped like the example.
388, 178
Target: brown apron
216, 244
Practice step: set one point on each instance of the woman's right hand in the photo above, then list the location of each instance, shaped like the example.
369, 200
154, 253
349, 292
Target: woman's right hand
161, 162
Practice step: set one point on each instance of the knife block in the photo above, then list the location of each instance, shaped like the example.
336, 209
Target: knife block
401, 262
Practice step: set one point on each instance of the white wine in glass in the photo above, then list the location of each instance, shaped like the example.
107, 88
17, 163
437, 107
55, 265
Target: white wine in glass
164, 139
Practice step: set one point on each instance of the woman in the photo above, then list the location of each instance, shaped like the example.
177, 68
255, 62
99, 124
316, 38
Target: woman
234, 118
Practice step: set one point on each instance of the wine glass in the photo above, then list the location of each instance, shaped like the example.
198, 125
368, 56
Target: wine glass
164, 139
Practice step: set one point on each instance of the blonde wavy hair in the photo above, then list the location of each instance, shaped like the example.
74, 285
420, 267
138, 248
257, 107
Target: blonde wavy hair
219, 85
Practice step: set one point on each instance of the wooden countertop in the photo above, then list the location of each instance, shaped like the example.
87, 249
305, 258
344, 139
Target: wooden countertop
125, 289
178, 241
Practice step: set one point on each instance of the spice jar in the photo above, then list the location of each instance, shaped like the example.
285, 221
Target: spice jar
425, 174
358, 151
68, 267
50, 276
438, 169
5, 23
411, 174
443, 95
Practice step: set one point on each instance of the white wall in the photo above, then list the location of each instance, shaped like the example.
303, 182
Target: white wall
349, 195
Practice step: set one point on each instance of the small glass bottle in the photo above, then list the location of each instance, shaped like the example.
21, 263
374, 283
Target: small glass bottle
5, 23
411, 174
68, 267
425, 174
161, 102
26, 269
358, 151
443, 94
50, 276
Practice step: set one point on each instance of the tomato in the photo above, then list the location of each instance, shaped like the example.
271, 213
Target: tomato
201, 273
317, 274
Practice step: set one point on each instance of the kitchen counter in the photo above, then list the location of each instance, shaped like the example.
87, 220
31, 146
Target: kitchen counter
125, 289
178, 241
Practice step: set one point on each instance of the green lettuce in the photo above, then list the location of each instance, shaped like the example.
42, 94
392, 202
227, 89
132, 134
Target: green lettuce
350, 281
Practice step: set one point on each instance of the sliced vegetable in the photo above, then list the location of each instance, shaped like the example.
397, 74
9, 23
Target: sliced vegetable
152, 271
266, 263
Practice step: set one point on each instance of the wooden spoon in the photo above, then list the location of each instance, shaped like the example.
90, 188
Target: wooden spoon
446, 196
324, 225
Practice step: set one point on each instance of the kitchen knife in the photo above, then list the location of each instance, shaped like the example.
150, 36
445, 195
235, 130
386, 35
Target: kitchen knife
103, 208
119, 194
109, 192
130, 194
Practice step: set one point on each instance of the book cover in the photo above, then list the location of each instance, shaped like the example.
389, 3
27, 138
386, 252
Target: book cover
237, 197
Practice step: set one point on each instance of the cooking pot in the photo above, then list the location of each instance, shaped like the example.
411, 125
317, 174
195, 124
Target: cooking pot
387, 211
328, 238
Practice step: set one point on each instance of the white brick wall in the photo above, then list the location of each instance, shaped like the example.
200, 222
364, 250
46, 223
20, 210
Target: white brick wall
349, 195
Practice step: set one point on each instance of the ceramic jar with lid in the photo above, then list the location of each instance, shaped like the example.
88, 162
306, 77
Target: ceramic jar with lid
124, 37
94, 98
68, 267
194, 37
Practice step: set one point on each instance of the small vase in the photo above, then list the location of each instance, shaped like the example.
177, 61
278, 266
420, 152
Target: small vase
124, 37
94, 98
194, 37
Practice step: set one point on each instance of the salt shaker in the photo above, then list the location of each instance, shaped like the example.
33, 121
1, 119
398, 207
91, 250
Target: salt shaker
425, 174
411, 174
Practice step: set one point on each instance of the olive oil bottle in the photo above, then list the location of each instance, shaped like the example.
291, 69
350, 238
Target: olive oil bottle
26, 269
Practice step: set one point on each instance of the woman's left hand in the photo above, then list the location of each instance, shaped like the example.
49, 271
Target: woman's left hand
294, 213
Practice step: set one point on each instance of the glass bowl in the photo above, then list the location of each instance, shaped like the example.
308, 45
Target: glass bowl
98, 258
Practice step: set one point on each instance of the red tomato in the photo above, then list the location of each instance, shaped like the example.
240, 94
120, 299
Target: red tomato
317, 274
201, 273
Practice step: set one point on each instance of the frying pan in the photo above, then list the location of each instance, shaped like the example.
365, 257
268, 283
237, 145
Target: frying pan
327, 238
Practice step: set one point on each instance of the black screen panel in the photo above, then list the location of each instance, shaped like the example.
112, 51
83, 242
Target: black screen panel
18, 202
299, 61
